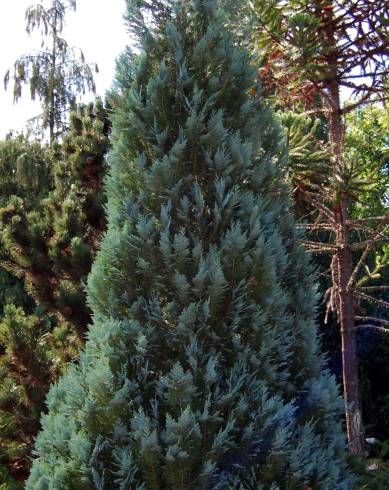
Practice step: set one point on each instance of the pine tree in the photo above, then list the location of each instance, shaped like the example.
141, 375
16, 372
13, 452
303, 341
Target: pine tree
33, 352
202, 367
50, 243
50, 229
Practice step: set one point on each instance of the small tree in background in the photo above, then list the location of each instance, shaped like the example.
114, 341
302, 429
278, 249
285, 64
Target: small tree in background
202, 368
57, 73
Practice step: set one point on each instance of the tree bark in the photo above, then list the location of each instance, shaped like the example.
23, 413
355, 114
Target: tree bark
344, 269
342, 262
346, 312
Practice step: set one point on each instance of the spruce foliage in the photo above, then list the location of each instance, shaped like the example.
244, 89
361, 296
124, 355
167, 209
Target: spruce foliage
202, 369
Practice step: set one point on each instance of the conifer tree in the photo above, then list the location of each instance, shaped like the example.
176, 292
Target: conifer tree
33, 352
50, 243
49, 229
202, 368
24, 169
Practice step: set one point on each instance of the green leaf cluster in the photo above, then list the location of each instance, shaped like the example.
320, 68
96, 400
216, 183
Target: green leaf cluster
24, 169
367, 150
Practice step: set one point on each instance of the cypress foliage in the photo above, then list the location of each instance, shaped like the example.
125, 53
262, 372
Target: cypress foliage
202, 368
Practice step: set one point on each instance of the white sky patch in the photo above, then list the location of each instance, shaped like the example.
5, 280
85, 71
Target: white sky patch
97, 27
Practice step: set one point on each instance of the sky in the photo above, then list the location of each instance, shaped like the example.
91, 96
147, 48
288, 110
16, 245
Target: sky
96, 27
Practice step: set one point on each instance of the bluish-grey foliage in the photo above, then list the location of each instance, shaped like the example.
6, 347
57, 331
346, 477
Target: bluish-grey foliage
202, 369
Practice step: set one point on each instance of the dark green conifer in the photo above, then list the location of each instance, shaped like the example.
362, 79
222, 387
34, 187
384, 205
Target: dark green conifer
50, 243
49, 230
25, 174
202, 369
33, 352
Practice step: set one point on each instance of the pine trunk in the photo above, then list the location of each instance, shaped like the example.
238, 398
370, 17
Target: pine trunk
355, 431
343, 264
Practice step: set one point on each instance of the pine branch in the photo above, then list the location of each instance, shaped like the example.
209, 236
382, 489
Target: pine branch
366, 75
365, 100
361, 245
320, 206
372, 319
384, 218
315, 226
367, 55
370, 299
370, 90
375, 327
368, 231
317, 247
369, 247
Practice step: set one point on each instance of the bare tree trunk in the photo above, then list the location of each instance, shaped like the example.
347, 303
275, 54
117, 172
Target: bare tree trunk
346, 312
52, 80
343, 256
344, 268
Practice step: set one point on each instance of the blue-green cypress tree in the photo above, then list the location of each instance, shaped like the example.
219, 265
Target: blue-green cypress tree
202, 369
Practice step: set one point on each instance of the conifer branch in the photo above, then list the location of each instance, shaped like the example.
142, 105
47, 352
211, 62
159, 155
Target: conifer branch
369, 247
375, 327
361, 245
373, 319
371, 299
